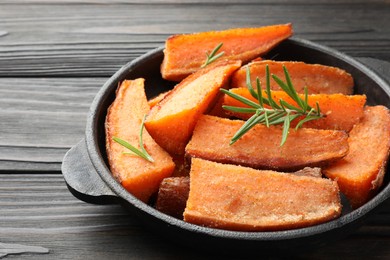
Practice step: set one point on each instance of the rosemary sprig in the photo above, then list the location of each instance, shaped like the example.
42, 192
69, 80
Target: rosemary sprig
277, 113
140, 152
213, 55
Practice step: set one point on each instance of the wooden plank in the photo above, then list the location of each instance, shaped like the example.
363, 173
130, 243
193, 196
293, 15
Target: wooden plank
42, 118
66, 40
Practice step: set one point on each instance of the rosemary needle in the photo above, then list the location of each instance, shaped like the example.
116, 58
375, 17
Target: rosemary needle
140, 152
276, 113
213, 55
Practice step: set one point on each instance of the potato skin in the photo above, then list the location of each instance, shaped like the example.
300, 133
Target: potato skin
172, 196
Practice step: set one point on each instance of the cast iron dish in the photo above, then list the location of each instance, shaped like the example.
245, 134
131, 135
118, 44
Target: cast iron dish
88, 177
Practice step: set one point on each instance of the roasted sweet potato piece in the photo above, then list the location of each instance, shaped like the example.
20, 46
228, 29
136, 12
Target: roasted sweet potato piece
173, 192
361, 172
172, 121
239, 198
124, 117
185, 54
342, 111
318, 79
172, 196
260, 147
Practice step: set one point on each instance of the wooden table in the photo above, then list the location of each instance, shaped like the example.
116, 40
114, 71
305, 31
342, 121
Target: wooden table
54, 57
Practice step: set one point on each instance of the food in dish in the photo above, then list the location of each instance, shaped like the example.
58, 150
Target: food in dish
175, 115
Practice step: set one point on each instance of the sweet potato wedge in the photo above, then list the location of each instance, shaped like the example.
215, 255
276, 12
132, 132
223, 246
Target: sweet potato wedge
361, 172
185, 54
342, 111
318, 79
173, 192
260, 147
244, 199
172, 121
124, 117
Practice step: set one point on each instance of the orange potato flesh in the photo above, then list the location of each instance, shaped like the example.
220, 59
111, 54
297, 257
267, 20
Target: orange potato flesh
361, 172
124, 117
172, 121
260, 147
239, 198
184, 54
319, 79
342, 111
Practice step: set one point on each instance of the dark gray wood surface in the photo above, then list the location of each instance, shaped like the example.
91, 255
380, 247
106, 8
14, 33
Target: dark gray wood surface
55, 55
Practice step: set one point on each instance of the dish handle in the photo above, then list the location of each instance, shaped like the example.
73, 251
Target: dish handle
82, 179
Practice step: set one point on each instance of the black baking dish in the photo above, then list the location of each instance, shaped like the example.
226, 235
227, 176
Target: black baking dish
88, 177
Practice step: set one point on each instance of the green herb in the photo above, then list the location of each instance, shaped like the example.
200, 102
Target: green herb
213, 55
140, 152
282, 113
